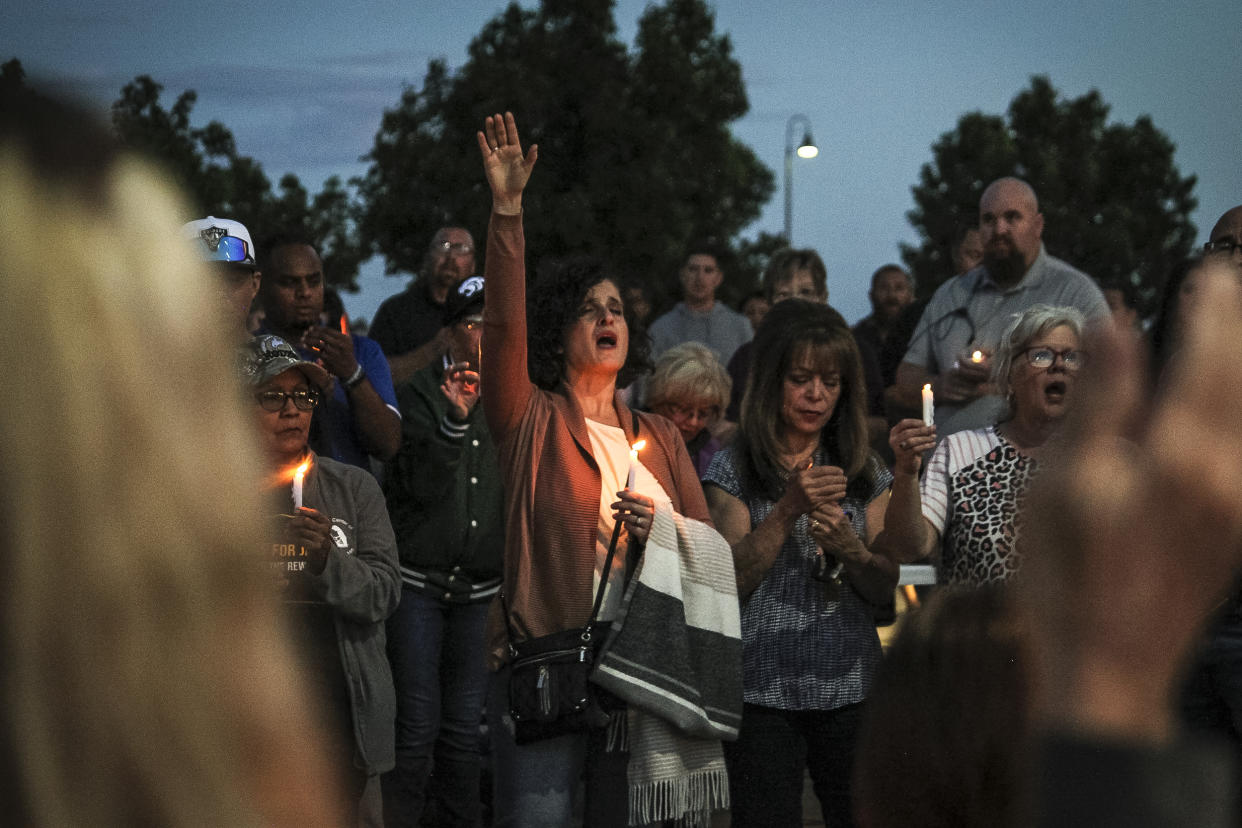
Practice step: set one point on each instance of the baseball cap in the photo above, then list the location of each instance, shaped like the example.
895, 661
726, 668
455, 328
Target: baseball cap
221, 240
464, 299
267, 356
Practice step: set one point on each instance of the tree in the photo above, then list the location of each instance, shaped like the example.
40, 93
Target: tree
1113, 200
220, 181
635, 155
12, 76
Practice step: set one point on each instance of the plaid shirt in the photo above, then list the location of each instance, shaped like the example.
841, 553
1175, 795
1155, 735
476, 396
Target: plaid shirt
800, 650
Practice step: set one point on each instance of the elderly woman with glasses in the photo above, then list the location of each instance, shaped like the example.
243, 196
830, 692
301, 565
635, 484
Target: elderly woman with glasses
691, 388
343, 581
976, 480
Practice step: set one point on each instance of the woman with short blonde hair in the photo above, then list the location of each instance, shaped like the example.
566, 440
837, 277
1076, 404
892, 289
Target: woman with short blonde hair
691, 388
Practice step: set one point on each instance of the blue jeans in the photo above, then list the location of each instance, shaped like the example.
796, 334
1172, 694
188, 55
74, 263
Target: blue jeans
536, 785
773, 749
437, 652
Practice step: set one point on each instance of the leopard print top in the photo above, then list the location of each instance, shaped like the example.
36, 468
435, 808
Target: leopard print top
985, 480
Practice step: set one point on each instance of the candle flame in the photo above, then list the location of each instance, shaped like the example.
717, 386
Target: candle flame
287, 474
636, 447
927, 387
977, 356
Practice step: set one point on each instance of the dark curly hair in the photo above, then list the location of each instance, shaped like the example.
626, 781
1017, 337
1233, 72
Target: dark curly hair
553, 302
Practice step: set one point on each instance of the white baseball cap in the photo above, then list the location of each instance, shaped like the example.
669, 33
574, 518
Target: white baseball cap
221, 240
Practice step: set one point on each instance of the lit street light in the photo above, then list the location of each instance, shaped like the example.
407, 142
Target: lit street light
806, 149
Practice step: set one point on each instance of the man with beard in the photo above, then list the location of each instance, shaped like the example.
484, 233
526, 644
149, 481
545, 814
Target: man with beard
892, 291
953, 342
409, 326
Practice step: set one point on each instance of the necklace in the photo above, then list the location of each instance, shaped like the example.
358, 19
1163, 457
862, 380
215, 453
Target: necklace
793, 463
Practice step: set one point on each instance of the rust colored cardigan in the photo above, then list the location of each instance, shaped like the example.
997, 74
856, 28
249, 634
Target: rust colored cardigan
551, 480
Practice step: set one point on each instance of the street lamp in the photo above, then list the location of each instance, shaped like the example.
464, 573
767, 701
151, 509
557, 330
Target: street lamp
806, 149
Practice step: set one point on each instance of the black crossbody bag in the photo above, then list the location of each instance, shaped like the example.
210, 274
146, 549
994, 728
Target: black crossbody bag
550, 692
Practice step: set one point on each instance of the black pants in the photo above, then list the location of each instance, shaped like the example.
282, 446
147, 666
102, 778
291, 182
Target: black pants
774, 748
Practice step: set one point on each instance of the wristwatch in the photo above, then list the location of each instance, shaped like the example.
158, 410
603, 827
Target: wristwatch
358, 376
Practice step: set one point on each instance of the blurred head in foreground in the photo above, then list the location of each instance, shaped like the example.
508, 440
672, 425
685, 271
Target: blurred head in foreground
945, 727
144, 680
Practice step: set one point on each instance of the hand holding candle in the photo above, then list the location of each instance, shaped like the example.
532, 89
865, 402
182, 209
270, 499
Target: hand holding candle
929, 417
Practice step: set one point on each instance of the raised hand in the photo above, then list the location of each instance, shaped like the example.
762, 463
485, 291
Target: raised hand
1135, 529
506, 168
461, 388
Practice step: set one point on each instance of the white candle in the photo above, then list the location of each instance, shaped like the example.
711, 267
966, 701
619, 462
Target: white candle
634, 449
929, 417
298, 477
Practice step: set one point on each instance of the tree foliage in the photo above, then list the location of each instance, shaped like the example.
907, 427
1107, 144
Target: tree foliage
635, 154
220, 181
1113, 200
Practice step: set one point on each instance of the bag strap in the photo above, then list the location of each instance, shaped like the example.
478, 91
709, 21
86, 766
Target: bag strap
603, 581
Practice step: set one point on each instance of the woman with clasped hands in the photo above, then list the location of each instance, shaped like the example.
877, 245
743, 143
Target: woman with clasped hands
563, 439
801, 499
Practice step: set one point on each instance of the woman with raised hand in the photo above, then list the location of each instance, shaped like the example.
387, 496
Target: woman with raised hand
563, 438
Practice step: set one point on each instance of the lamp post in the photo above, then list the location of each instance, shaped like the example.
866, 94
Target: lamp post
806, 149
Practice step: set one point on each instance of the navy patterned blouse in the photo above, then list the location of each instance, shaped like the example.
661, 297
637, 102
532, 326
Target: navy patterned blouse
805, 644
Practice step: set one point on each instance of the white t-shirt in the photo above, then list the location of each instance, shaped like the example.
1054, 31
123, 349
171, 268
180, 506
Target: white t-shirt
612, 453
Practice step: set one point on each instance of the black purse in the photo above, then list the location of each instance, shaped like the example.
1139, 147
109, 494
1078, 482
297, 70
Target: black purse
550, 691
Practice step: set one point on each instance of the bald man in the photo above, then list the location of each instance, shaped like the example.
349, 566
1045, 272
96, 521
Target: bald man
970, 312
1226, 237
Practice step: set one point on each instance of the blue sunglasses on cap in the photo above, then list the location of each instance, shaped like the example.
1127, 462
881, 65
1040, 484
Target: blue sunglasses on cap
229, 249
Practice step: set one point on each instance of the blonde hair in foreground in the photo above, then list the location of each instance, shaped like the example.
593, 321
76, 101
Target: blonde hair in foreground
145, 680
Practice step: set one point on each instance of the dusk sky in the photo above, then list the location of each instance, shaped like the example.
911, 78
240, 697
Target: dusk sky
302, 86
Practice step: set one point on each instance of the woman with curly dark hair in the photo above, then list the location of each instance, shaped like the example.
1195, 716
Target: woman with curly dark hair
559, 291
564, 436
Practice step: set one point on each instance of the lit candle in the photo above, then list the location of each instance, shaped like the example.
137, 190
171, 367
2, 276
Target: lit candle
928, 406
298, 477
976, 357
634, 449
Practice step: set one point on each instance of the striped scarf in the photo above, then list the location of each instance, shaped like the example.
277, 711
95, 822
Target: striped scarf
675, 655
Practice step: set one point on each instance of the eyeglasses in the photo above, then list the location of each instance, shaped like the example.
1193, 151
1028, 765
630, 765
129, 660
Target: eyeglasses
453, 248
1226, 246
228, 249
690, 412
1044, 357
304, 399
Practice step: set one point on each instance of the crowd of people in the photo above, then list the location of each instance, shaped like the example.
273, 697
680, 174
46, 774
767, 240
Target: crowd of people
718, 511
